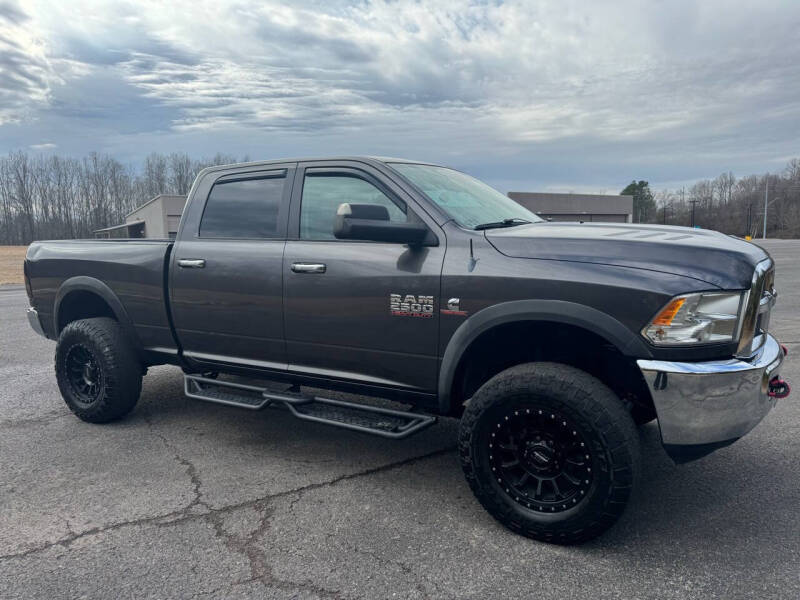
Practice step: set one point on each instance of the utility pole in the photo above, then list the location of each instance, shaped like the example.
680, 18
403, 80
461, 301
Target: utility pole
670, 206
693, 203
749, 219
766, 197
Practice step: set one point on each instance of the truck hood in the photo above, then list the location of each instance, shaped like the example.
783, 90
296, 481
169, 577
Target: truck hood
709, 256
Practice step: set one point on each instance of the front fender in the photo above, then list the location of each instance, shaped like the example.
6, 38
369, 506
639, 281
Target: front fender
554, 311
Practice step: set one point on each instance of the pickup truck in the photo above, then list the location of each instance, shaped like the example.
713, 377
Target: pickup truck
417, 283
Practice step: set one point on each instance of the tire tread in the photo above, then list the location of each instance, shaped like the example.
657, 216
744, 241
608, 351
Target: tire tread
602, 409
122, 371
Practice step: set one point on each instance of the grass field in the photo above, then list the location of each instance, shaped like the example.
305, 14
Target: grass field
11, 258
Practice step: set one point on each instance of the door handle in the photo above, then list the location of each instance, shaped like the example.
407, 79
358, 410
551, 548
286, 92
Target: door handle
191, 263
308, 267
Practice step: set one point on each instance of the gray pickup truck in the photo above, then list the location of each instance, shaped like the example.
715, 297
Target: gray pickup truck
417, 283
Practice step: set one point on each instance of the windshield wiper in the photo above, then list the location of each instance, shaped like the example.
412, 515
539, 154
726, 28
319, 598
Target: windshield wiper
504, 223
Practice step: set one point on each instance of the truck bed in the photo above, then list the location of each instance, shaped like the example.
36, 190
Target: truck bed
132, 269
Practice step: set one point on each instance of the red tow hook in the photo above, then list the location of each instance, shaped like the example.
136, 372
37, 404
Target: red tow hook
779, 388
785, 350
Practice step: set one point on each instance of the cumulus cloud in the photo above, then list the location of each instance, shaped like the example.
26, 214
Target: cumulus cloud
521, 79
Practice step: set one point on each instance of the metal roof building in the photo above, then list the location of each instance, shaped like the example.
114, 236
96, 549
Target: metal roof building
156, 218
577, 207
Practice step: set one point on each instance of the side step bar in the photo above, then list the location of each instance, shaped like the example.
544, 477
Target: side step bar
384, 422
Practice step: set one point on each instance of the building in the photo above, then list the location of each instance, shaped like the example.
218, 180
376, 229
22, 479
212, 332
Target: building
577, 207
156, 218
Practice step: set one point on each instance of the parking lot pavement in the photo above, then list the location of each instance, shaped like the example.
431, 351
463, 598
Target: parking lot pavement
185, 499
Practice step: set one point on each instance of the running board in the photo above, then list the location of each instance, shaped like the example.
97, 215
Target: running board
384, 422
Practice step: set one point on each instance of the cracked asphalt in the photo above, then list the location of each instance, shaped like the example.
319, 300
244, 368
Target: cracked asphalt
185, 499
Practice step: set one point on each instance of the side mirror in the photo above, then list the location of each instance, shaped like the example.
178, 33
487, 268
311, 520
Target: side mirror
371, 222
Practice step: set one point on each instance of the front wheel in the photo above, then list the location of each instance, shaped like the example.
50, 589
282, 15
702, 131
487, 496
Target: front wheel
550, 452
98, 372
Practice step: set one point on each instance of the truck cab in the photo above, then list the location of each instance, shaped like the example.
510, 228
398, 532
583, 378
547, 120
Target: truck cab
258, 279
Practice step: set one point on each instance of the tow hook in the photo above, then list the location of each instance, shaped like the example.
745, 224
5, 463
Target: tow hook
779, 388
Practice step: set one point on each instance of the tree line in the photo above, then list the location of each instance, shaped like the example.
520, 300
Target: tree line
55, 197
726, 203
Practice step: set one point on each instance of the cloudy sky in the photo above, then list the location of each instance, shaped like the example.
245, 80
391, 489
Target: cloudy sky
562, 95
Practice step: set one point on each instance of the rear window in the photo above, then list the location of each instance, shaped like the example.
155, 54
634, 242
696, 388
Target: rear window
243, 208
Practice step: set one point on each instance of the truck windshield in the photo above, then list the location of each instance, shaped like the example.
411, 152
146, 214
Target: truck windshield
470, 202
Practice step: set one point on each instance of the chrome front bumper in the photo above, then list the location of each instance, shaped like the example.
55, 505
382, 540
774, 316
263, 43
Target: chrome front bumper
711, 404
33, 319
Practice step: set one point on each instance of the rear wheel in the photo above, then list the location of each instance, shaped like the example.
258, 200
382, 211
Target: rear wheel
550, 452
98, 372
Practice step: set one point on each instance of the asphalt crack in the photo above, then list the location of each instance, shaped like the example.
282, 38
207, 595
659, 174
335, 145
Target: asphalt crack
191, 470
184, 514
250, 546
68, 540
405, 569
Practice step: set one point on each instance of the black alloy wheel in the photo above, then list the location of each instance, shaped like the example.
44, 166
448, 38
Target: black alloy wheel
540, 459
83, 374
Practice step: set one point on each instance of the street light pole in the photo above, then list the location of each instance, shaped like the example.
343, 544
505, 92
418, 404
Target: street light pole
766, 197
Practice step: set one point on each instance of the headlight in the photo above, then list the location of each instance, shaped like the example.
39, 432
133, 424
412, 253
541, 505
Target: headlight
705, 318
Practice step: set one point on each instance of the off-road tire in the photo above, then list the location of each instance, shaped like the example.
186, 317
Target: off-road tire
594, 413
113, 359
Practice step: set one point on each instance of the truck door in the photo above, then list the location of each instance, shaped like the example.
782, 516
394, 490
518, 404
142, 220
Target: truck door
363, 311
226, 279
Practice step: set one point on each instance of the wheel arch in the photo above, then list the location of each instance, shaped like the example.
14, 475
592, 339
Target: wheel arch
102, 302
555, 312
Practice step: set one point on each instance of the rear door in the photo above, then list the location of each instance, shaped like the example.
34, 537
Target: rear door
363, 311
226, 274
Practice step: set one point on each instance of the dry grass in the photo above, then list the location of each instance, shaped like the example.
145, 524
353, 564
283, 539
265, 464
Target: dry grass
11, 258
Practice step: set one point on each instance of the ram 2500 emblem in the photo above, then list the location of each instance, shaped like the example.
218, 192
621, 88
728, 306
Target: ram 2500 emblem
409, 305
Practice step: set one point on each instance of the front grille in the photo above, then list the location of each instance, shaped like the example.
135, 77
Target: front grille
760, 299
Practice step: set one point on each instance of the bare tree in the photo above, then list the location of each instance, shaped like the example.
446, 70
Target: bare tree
181, 173
155, 174
724, 187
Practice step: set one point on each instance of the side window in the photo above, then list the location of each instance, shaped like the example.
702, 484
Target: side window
322, 195
243, 208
